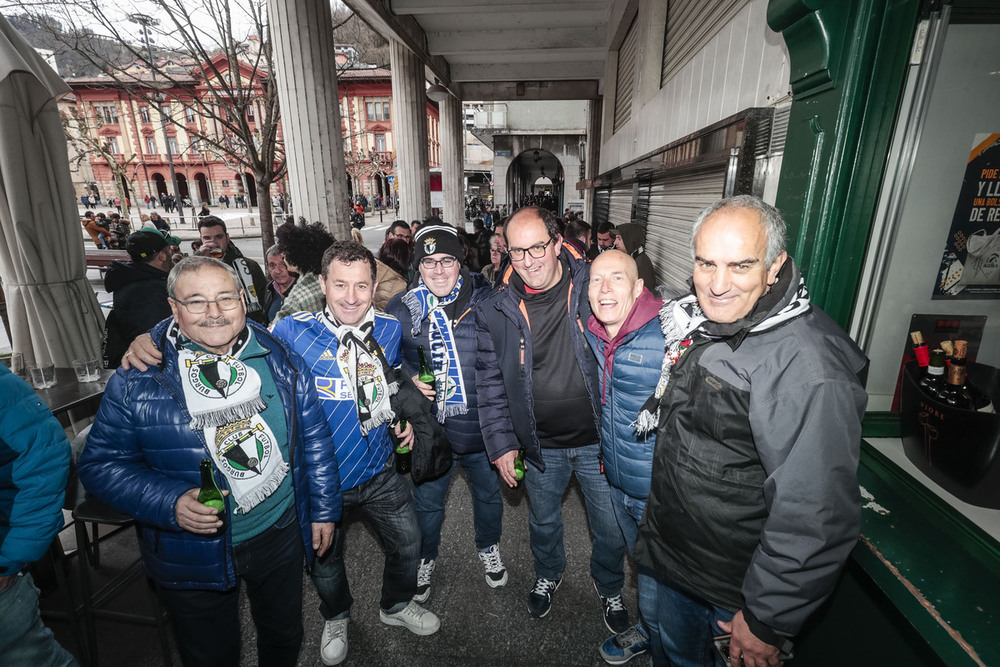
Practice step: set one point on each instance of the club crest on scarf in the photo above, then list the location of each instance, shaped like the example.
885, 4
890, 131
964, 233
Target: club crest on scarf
243, 449
212, 376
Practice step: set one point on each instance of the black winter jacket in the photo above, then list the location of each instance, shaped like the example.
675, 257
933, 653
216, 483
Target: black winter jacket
504, 363
140, 294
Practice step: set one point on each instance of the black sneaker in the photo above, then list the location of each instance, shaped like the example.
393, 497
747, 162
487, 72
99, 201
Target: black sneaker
615, 613
540, 597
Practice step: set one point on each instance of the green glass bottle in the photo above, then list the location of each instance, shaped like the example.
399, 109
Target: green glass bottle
404, 456
426, 373
210, 494
519, 465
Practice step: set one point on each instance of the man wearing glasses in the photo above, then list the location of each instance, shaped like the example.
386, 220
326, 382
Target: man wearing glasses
230, 392
399, 230
537, 384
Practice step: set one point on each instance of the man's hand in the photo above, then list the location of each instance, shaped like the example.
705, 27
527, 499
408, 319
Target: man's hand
6, 581
194, 517
425, 389
505, 465
142, 353
754, 652
405, 435
322, 537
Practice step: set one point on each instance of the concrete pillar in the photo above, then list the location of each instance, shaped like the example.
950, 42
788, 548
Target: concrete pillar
310, 113
453, 161
592, 165
409, 132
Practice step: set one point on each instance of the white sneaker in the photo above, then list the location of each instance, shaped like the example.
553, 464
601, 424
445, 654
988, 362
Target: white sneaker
424, 573
333, 649
414, 618
496, 573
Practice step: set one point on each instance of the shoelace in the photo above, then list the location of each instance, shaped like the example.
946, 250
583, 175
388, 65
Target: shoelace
629, 638
614, 604
544, 586
336, 630
424, 573
492, 560
414, 610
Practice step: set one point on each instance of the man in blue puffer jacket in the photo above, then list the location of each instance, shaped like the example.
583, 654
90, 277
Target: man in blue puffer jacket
437, 314
230, 392
624, 332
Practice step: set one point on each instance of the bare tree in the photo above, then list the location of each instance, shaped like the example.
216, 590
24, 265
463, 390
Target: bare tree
213, 56
87, 140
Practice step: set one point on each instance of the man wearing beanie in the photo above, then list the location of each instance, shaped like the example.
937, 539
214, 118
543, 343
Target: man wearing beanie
437, 313
139, 288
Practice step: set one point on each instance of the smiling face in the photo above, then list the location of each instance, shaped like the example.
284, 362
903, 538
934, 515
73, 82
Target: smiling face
278, 270
528, 231
215, 329
349, 290
730, 270
439, 280
614, 287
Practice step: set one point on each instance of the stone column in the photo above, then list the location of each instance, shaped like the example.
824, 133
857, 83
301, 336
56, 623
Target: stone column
310, 111
592, 165
409, 132
453, 161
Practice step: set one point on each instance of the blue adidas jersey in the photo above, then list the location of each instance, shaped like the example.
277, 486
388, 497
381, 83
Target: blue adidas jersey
360, 458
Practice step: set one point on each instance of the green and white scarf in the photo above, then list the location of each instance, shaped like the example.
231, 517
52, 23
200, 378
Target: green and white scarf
222, 395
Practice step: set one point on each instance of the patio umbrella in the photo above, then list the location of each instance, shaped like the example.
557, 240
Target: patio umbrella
54, 315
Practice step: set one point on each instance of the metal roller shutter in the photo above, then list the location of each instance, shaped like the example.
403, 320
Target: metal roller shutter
620, 210
674, 203
602, 197
625, 77
691, 24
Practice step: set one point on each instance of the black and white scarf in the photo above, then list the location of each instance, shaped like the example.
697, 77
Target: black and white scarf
423, 304
682, 321
362, 361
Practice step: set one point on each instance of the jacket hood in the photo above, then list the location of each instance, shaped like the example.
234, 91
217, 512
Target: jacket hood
120, 274
633, 236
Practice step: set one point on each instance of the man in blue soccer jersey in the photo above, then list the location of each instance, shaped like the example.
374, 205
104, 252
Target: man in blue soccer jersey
352, 350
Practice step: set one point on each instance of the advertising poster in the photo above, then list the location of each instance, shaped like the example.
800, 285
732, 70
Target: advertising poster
970, 265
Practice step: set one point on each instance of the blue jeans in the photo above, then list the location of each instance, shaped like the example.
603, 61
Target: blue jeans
681, 626
487, 505
628, 512
545, 495
207, 623
24, 639
386, 501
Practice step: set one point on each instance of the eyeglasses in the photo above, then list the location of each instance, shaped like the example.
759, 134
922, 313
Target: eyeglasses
445, 262
407, 236
537, 251
200, 306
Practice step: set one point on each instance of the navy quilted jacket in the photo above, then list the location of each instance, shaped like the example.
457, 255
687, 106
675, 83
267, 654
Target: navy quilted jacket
141, 456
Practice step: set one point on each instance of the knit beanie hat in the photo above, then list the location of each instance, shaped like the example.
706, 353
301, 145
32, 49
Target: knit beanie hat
435, 236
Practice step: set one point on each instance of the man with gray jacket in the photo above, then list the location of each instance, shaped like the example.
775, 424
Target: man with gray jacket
754, 503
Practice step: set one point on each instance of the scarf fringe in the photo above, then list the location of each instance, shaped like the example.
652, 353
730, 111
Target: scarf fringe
377, 419
264, 489
451, 411
229, 414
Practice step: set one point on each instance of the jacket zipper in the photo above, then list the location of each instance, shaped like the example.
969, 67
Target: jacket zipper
521, 348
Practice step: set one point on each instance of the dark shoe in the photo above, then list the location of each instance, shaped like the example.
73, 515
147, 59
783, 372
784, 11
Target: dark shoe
619, 649
615, 613
540, 597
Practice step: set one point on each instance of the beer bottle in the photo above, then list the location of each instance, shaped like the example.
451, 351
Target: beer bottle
210, 494
932, 381
519, 465
404, 457
426, 373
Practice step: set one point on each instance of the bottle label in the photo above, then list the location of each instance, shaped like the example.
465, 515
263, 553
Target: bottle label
956, 374
935, 370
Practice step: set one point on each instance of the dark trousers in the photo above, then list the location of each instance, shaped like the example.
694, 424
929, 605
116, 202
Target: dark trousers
207, 623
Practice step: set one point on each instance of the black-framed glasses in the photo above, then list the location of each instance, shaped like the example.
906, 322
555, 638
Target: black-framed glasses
537, 251
445, 262
200, 306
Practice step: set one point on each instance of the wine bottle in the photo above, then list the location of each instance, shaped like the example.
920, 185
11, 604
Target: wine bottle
426, 373
955, 393
920, 349
210, 494
980, 399
932, 381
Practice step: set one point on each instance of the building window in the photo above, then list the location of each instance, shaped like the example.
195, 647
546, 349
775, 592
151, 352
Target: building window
188, 114
107, 114
165, 110
144, 114
378, 110
172, 145
371, 111
385, 111
250, 117
380, 143
151, 145
194, 144
113, 145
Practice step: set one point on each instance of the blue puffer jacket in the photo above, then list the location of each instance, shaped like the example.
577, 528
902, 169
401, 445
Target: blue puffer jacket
141, 456
34, 463
463, 431
628, 457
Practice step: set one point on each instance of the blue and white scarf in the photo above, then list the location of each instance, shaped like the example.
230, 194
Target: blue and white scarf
451, 398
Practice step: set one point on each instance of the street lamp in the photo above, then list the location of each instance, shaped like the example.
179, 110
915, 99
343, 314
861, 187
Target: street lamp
146, 22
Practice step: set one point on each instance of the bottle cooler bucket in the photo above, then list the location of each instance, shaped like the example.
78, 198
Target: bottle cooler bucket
958, 449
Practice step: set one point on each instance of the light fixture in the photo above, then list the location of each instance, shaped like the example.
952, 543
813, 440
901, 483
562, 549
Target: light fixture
582, 147
437, 92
